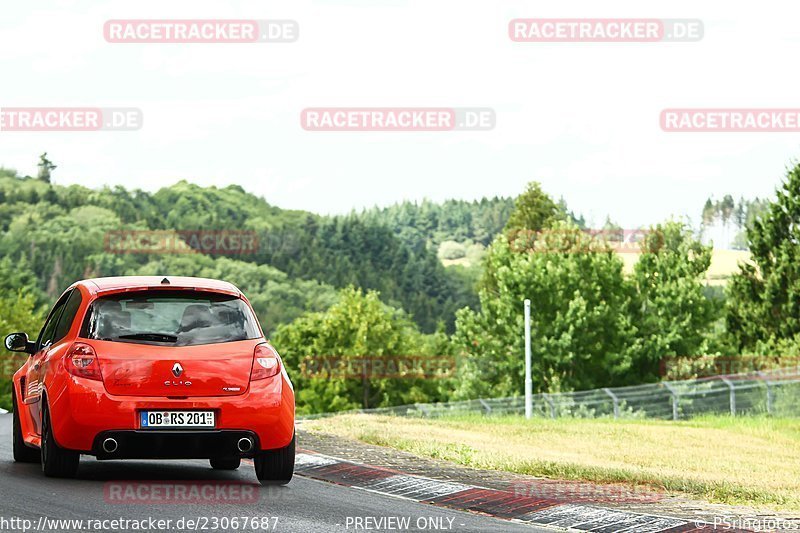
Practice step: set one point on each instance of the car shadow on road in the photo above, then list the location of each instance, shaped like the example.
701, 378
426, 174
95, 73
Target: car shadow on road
92, 469
157, 482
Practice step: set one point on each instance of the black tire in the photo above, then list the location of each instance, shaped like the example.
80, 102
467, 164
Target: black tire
225, 463
56, 461
275, 467
22, 452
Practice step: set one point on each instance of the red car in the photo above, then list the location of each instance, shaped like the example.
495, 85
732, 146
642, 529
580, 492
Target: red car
153, 368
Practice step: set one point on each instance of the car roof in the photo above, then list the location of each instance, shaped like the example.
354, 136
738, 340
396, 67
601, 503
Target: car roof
121, 283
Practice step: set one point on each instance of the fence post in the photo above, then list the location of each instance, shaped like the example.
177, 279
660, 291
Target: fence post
551, 404
769, 397
421, 407
675, 398
615, 400
732, 394
486, 406
768, 384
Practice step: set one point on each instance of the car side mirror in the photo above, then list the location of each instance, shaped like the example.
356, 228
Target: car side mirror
18, 342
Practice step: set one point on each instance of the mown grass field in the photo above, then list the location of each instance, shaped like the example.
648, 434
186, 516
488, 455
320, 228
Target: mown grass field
747, 461
724, 263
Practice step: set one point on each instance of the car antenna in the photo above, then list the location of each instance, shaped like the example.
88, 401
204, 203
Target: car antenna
165, 281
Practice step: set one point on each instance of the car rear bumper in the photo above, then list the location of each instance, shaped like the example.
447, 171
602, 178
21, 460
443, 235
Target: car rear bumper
83, 411
159, 444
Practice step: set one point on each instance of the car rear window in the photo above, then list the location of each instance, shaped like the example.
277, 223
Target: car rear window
170, 318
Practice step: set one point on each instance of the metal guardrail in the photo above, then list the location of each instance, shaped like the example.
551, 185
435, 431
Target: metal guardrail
775, 392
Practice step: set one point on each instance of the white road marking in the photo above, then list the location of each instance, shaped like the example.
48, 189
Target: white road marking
411, 486
560, 516
311, 460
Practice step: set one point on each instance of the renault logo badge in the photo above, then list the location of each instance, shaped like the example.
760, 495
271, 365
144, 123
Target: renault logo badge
177, 370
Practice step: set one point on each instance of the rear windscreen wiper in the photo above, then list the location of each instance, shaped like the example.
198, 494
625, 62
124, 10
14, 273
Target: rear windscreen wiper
156, 337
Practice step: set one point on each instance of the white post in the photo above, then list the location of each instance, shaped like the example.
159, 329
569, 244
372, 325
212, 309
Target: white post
732, 394
528, 380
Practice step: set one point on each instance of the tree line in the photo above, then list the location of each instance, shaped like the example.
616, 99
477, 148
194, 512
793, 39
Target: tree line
58, 233
369, 285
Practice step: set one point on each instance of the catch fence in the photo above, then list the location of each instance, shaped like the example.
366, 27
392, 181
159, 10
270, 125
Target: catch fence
775, 392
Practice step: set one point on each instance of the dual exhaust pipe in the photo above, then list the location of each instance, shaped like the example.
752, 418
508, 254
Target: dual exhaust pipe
110, 445
244, 445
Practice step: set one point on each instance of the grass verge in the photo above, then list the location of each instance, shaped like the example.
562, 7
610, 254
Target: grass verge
744, 461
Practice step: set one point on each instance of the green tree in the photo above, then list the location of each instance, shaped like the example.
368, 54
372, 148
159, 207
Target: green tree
45, 168
764, 296
358, 326
669, 309
17, 313
580, 336
452, 250
533, 210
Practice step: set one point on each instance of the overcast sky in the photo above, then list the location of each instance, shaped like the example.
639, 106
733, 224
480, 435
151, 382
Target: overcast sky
581, 118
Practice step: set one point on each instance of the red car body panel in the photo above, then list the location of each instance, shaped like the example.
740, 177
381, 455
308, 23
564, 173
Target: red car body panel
135, 376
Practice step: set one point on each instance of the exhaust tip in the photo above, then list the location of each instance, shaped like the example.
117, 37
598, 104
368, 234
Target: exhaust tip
245, 444
110, 445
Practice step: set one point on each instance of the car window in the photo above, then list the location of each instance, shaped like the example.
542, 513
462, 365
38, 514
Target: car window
46, 335
170, 318
71, 306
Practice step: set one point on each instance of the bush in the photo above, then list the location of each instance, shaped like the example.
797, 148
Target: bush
17, 313
358, 327
5, 394
452, 250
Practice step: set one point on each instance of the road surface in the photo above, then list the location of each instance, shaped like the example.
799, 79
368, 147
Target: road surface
125, 491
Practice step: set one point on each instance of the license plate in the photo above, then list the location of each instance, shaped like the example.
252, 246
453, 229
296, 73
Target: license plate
176, 419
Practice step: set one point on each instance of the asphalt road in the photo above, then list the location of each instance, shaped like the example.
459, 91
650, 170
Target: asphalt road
112, 490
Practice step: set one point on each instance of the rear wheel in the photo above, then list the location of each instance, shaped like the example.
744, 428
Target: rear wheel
56, 461
225, 463
275, 467
22, 452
